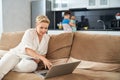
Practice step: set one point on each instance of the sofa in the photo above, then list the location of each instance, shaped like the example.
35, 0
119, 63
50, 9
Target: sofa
99, 55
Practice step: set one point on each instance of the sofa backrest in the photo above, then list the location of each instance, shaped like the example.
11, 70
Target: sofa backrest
60, 46
96, 47
10, 39
90, 47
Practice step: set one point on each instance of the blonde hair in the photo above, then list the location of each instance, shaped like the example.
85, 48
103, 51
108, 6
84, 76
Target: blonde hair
73, 17
42, 18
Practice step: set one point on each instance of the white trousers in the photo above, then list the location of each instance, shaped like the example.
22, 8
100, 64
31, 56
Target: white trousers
13, 62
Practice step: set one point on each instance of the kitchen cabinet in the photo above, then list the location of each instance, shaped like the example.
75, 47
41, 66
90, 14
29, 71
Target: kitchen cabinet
78, 4
58, 5
114, 3
96, 4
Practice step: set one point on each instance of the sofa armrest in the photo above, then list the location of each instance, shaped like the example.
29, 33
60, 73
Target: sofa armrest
9, 40
4, 48
0, 36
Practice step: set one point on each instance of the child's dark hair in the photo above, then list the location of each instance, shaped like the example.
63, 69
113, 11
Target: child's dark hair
67, 13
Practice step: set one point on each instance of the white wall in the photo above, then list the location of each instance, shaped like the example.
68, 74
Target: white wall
16, 15
1, 30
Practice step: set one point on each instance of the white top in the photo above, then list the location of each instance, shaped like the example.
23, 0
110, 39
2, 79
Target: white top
30, 40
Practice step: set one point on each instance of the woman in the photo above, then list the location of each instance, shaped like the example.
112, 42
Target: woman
31, 50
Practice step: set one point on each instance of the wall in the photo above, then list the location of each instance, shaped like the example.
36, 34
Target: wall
16, 15
1, 17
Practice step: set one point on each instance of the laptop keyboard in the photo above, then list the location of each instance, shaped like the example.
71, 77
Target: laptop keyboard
43, 74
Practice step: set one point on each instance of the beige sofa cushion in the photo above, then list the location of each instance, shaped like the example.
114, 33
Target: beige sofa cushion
96, 66
98, 75
59, 61
96, 47
60, 46
10, 39
32, 76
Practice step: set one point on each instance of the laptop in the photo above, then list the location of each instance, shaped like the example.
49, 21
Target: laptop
58, 70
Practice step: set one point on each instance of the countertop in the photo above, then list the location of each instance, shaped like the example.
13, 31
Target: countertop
89, 31
100, 30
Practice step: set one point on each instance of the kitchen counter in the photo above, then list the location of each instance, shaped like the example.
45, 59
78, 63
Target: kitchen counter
89, 31
97, 30
117, 29
92, 30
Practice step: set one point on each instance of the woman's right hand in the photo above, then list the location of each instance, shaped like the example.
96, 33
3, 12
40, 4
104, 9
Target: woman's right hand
47, 63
